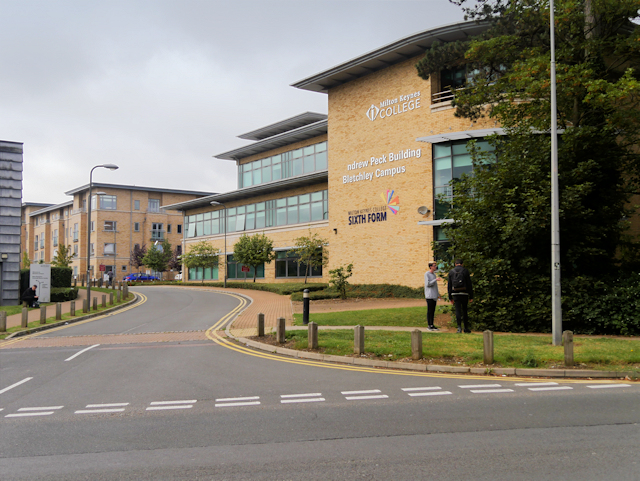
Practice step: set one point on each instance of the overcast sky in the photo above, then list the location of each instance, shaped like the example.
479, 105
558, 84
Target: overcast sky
159, 87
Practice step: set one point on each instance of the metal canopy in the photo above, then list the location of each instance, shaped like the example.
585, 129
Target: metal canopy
286, 125
466, 134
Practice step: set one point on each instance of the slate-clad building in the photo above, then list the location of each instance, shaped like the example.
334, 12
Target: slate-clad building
10, 212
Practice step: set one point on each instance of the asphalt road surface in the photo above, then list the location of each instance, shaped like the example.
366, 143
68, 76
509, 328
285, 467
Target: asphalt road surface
146, 394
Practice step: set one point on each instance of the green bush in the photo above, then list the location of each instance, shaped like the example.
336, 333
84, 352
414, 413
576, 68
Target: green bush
60, 277
62, 294
362, 291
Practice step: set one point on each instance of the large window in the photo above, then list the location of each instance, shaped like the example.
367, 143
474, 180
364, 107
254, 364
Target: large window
55, 237
288, 265
154, 205
450, 161
108, 202
109, 249
75, 233
305, 160
156, 231
206, 274
297, 209
110, 225
234, 270
35, 242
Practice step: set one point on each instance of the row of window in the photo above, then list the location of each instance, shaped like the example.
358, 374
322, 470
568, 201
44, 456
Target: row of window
109, 202
287, 266
305, 160
297, 209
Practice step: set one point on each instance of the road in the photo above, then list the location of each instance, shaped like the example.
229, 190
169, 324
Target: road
146, 394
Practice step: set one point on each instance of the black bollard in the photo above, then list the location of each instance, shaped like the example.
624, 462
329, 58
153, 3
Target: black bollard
305, 307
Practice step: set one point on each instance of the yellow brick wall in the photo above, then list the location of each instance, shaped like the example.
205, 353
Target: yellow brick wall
397, 250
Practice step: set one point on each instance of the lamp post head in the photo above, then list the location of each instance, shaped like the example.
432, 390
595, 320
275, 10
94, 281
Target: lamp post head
110, 166
215, 202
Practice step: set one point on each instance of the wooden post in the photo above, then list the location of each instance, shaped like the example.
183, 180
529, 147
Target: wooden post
358, 340
104, 300
261, 325
43, 314
25, 317
72, 308
85, 305
567, 340
280, 331
95, 303
416, 344
118, 296
58, 311
3, 321
111, 298
487, 337
312, 337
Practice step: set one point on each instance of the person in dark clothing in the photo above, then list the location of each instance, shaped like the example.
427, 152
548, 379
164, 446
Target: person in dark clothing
29, 296
460, 291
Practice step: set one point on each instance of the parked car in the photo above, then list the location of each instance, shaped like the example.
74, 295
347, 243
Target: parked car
138, 277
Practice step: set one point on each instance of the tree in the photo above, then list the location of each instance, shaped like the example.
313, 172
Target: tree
253, 251
137, 256
26, 262
311, 251
202, 255
157, 256
63, 256
502, 212
175, 262
340, 279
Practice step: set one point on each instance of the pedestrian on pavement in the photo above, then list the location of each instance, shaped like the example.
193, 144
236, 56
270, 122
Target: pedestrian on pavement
460, 291
29, 296
110, 274
431, 294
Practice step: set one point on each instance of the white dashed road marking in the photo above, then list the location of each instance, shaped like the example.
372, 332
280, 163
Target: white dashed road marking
425, 391
551, 388
34, 411
606, 386
535, 384
237, 401
109, 405
478, 386
16, 384
80, 352
164, 405
362, 395
301, 398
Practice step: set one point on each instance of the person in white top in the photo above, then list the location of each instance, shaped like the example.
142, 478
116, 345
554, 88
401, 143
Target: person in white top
431, 294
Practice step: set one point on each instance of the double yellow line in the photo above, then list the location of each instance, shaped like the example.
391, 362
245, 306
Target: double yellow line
142, 299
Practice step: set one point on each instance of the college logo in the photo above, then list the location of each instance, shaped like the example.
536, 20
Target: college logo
393, 203
373, 112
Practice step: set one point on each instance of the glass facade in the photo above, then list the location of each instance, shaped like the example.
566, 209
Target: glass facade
206, 274
297, 209
234, 270
288, 265
305, 160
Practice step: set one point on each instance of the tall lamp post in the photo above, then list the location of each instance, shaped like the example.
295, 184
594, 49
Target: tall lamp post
225, 238
556, 293
106, 166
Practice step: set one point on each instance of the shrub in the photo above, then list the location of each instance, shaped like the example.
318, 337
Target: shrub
62, 294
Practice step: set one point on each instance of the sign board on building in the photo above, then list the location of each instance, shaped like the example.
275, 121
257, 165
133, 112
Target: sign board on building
40, 276
245, 268
103, 268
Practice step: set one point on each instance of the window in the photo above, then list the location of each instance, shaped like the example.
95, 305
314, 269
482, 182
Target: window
75, 233
234, 270
91, 250
179, 227
36, 221
312, 158
55, 237
93, 226
297, 209
168, 228
93, 202
75, 270
108, 202
110, 225
136, 226
35, 243
136, 205
109, 249
75, 250
450, 161
156, 231
207, 274
124, 268
41, 255
154, 205
42, 241
288, 265
55, 253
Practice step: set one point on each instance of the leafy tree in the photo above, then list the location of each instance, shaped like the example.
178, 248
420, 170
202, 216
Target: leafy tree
253, 251
340, 279
175, 262
157, 257
137, 255
502, 213
311, 251
202, 255
63, 256
26, 262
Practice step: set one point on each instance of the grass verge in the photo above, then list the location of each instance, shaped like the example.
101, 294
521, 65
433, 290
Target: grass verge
65, 317
401, 316
510, 350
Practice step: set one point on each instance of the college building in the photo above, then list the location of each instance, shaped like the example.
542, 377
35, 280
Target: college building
364, 177
122, 216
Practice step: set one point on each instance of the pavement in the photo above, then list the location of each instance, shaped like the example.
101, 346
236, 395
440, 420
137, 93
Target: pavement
274, 306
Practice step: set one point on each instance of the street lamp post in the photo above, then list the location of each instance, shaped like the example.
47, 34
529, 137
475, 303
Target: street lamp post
106, 166
225, 238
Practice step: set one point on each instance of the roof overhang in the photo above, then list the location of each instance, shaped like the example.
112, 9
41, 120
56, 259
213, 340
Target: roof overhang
286, 125
282, 140
95, 185
383, 57
253, 191
51, 208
